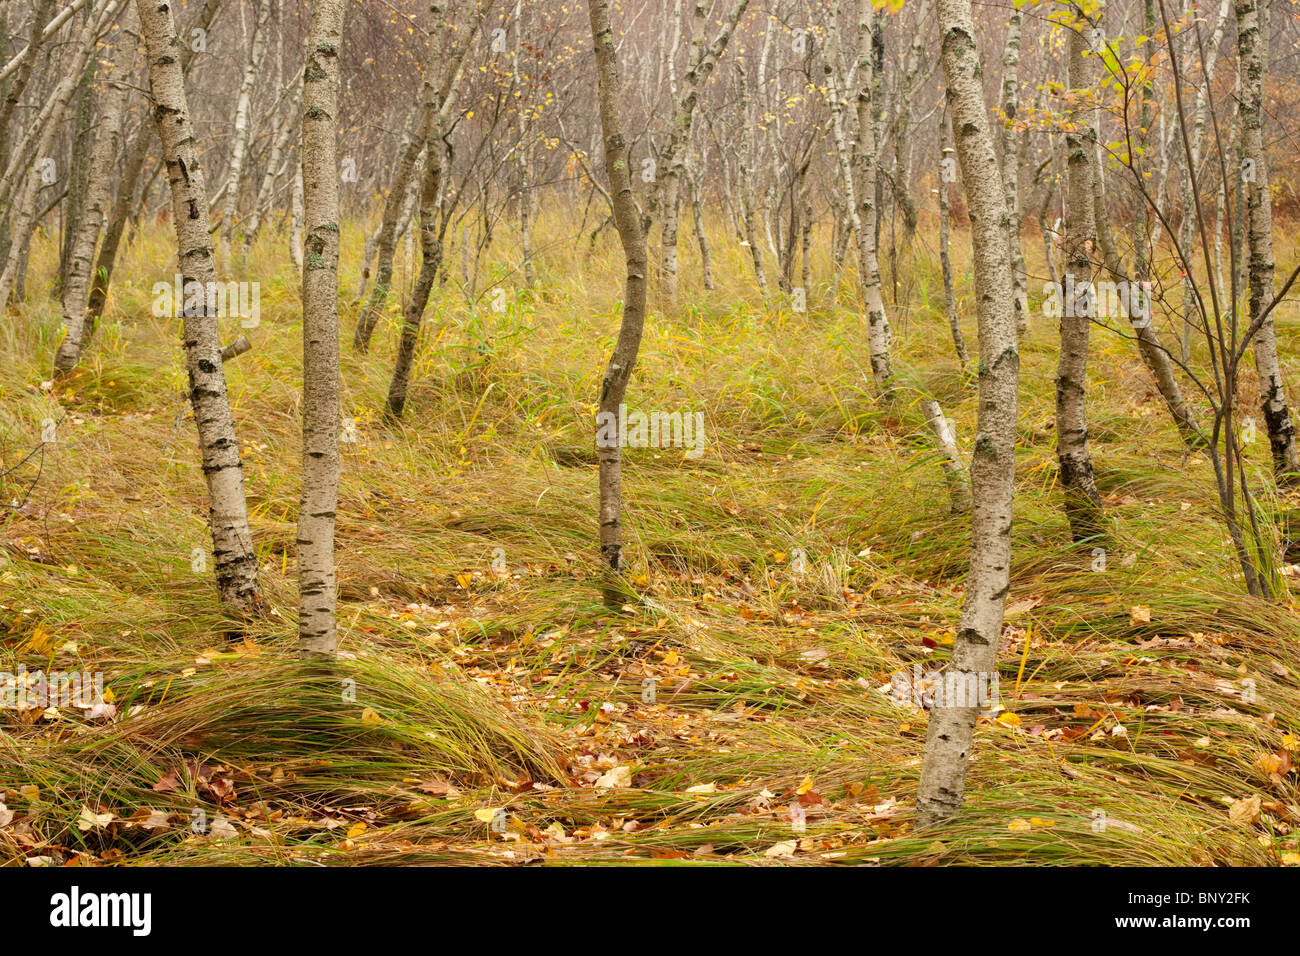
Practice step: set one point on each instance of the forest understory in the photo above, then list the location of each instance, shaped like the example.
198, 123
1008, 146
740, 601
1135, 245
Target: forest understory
488, 706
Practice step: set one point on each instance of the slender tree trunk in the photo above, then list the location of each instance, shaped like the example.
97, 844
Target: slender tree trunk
878, 330
132, 166
974, 656
23, 168
1154, 355
317, 590
1011, 162
1082, 502
123, 203
903, 133
296, 214
1186, 193
747, 197
703, 59
22, 73
1252, 45
626, 219
701, 238
232, 541
945, 257
77, 332
430, 265
524, 199
395, 207
953, 472
442, 72
265, 191
243, 104
79, 171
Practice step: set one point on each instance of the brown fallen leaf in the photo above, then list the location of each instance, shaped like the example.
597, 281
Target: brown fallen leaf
1244, 811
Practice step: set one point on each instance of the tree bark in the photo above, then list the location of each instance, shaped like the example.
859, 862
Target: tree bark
23, 173
77, 331
232, 541
1252, 46
1082, 502
243, 104
317, 588
945, 257
703, 59
632, 236
951, 726
1011, 162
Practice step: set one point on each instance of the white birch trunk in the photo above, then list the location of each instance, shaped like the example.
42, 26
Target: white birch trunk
951, 727
232, 541
317, 588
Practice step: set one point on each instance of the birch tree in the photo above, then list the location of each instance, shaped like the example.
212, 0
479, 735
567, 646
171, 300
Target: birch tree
1252, 49
858, 170
704, 56
1011, 160
632, 237
974, 656
1082, 501
243, 105
22, 177
232, 541
76, 290
317, 589
441, 72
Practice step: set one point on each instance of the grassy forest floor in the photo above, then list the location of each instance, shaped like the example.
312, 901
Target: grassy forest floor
1151, 709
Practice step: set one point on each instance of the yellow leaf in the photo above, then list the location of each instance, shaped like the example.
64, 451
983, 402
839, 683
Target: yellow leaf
1139, 614
356, 830
486, 814
1269, 763
93, 821
1009, 719
805, 785
1289, 742
1019, 826
368, 716
39, 639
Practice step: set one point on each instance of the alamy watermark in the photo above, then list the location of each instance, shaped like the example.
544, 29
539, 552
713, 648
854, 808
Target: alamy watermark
189, 297
655, 430
943, 688
37, 690
1105, 299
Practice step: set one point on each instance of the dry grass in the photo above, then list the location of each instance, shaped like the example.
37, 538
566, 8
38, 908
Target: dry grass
516, 690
